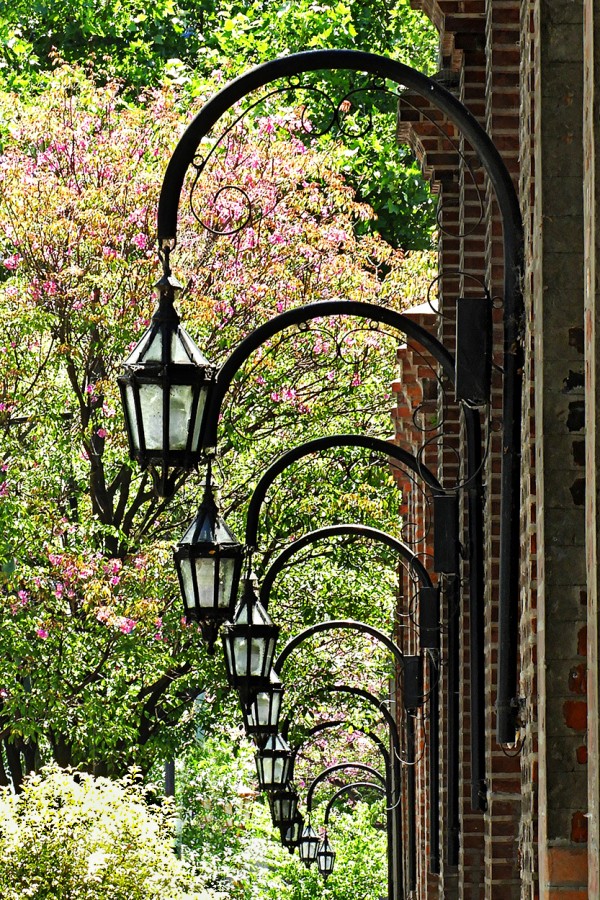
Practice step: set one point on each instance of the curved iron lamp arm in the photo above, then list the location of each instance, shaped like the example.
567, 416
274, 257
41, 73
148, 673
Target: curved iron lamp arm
339, 767
328, 531
324, 726
349, 624
306, 313
325, 443
349, 787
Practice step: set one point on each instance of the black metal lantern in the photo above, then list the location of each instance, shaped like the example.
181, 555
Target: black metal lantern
274, 764
290, 836
249, 644
284, 807
325, 858
164, 389
208, 560
309, 845
261, 710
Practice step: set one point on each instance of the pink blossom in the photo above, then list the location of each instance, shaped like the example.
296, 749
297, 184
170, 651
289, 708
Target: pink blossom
140, 240
109, 253
23, 597
101, 432
12, 262
42, 633
114, 580
126, 625
355, 380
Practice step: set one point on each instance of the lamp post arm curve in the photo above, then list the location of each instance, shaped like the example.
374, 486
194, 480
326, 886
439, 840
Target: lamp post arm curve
340, 767
356, 785
301, 314
328, 531
325, 443
324, 726
311, 61
349, 624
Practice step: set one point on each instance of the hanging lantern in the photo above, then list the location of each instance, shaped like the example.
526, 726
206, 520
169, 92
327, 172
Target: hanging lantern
274, 764
325, 858
261, 710
164, 390
309, 845
249, 644
209, 560
290, 836
284, 807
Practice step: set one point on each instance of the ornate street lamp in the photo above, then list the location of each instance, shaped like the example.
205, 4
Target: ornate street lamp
249, 644
164, 388
274, 764
261, 710
208, 560
309, 845
284, 807
290, 837
325, 858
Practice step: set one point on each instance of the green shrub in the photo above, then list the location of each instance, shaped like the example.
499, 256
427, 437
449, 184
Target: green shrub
69, 836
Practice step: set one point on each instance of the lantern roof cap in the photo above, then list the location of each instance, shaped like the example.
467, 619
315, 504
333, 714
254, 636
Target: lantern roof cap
208, 526
250, 610
275, 743
166, 333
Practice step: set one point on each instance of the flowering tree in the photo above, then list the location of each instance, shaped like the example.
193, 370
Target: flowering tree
96, 667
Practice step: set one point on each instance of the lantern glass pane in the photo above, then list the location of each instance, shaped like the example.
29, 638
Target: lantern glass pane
180, 400
205, 579
185, 569
228, 656
202, 394
253, 665
151, 401
268, 653
226, 573
260, 711
153, 352
178, 351
131, 415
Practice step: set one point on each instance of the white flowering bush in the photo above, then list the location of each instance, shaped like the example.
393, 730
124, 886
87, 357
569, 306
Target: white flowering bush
69, 836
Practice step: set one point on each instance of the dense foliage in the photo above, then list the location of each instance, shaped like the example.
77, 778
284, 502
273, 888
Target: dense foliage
187, 40
69, 835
